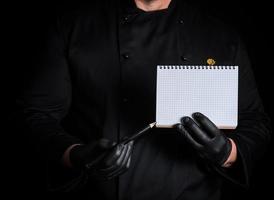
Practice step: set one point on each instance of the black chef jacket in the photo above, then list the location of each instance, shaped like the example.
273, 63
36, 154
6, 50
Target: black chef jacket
96, 78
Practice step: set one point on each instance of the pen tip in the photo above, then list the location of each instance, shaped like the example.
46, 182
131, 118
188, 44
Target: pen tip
152, 124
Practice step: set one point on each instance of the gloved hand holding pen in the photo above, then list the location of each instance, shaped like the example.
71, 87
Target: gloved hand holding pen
102, 159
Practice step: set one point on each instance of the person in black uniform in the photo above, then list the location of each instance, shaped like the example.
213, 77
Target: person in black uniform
95, 85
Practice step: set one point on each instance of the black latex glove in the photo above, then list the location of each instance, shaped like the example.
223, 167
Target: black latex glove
102, 159
209, 141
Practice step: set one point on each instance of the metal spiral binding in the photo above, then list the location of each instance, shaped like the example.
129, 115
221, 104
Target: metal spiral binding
205, 67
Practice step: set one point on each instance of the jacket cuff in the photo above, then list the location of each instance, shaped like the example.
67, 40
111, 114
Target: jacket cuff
238, 173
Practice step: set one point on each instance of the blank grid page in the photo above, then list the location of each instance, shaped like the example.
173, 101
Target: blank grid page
211, 90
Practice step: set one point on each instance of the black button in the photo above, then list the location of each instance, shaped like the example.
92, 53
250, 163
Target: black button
184, 58
125, 56
125, 20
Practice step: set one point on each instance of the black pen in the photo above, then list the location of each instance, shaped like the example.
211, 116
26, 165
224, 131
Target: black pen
125, 141
138, 134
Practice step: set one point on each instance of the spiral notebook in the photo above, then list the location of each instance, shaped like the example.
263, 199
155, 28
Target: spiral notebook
211, 90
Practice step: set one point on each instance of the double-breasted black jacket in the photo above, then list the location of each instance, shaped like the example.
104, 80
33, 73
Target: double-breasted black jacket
91, 82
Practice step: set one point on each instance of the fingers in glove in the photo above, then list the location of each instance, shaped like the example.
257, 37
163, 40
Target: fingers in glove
111, 157
124, 164
195, 131
121, 161
122, 171
206, 124
128, 162
107, 178
189, 138
115, 164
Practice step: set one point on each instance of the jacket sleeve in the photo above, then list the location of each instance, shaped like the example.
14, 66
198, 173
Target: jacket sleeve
46, 99
253, 131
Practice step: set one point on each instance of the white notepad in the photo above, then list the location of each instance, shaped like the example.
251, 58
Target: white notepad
211, 90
